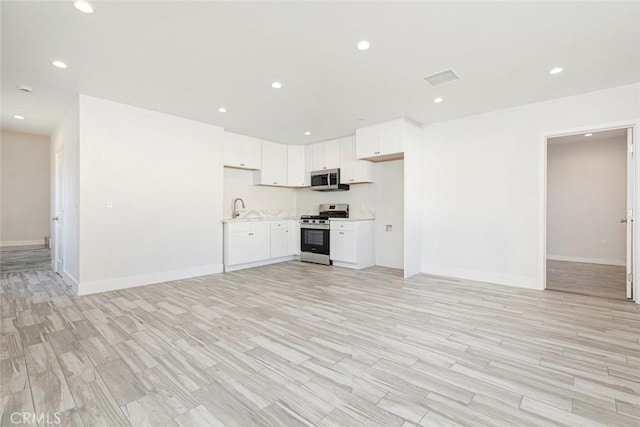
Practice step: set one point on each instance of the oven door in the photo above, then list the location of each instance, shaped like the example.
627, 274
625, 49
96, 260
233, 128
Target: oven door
314, 240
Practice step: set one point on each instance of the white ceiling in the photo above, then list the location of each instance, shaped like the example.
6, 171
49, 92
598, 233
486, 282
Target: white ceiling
595, 136
188, 59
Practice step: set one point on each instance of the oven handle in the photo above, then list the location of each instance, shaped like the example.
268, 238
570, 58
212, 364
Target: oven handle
314, 227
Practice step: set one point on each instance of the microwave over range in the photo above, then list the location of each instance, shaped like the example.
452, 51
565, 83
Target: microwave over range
327, 180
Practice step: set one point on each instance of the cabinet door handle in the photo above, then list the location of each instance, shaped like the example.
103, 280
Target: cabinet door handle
275, 182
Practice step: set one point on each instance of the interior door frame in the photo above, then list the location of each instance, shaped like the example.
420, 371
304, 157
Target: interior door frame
58, 226
633, 124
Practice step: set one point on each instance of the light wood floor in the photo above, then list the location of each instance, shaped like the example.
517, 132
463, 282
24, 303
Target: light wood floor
604, 281
303, 344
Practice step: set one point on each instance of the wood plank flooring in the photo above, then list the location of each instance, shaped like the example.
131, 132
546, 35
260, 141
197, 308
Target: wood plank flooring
598, 280
303, 344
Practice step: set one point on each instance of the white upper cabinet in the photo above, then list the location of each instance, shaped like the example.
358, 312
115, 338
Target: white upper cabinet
384, 141
352, 170
274, 165
241, 151
297, 175
326, 155
367, 142
308, 164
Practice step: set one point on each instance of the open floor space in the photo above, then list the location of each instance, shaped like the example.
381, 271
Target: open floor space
304, 344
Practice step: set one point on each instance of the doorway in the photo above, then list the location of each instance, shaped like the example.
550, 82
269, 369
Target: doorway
589, 207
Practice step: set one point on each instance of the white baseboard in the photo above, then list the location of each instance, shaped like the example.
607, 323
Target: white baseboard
88, 288
21, 243
71, 281
230, 268
483, 276
587, 260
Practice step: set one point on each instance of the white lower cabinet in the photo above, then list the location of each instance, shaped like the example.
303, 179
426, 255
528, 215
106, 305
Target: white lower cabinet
294, 237
252, 243
279, 239
246, 242
351, 243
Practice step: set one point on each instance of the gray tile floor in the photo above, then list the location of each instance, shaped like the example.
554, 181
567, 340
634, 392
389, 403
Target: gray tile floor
303, 344
21, 258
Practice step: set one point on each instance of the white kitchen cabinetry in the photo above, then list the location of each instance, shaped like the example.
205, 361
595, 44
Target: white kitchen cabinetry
353, 170
294, 237
279, 239
241, 151
385, 141
326, 155
246, 242
296, 166
274, 165
351, 243
253, 243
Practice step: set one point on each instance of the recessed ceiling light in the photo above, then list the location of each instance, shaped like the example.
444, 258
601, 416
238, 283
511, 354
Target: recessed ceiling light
83, 6
59, 64
588, 134
276, 85
18, 117
222, 110
438, 100
556, 70
363, 45
307, 133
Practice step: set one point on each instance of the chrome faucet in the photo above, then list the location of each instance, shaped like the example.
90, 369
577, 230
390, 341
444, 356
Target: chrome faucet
235, 213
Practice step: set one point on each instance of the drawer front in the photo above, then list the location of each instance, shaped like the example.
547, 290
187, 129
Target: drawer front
239, 227
279, 225
343, 225
261, 227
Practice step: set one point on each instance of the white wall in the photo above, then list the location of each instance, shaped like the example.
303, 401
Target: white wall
483, 188
163, 176
238, 183
586, 197
65, 139
24, 178
384, 198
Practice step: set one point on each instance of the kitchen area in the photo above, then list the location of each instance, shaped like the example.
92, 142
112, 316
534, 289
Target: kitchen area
338, 202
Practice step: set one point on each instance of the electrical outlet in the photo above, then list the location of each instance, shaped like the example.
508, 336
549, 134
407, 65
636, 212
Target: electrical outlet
389, 227
169, 253
604, 243
109, 204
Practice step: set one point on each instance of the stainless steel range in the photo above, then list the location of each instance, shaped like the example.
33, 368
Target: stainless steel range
314, 233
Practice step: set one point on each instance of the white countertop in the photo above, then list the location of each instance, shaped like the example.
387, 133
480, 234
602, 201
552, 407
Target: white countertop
259, 219
352, 219
290, 218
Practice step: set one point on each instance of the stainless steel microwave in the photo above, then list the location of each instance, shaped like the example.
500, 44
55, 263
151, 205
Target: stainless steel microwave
327, 180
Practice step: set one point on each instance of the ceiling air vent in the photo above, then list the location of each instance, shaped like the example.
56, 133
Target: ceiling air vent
441, 78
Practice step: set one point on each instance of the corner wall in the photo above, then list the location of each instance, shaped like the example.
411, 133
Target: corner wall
483, 190
150, 196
